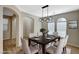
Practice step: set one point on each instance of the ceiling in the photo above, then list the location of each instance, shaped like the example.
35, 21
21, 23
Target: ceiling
52, 10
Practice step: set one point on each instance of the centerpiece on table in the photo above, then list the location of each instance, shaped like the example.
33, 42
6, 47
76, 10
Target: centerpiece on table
44, 32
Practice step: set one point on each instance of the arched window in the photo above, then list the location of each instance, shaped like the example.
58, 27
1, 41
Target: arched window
51, 27
61, 27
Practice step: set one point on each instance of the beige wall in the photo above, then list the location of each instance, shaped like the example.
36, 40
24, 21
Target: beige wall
1, 30
73, 33
31, 24
28, 25
37, 25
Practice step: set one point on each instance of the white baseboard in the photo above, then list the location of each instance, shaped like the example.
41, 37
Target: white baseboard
75, 45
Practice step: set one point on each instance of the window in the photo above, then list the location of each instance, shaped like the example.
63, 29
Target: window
5, 24
51, 27
61, 27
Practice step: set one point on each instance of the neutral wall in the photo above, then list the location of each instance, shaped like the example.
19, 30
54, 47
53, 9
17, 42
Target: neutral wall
37, 25
28, 25
73, 33
31, 24
1, 30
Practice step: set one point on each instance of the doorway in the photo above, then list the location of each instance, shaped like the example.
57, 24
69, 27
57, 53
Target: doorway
9, 30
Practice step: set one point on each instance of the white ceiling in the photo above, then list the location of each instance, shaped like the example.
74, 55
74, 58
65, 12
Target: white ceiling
53, 9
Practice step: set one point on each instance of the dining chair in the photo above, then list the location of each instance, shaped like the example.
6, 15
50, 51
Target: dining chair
33, 35
28, 49
56, 41
55, 34
62, 45
61, 48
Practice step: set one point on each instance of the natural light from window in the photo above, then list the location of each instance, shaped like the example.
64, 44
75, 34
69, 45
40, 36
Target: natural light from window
61, 27
51, 27
5, 25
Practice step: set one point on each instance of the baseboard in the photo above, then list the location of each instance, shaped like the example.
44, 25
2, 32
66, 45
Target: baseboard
74, 45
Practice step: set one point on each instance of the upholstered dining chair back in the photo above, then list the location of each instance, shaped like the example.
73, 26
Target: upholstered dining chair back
25, 46
65, 41
61, 45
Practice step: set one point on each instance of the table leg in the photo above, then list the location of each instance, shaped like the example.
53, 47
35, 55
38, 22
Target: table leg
59, 39
29, 42
43, 49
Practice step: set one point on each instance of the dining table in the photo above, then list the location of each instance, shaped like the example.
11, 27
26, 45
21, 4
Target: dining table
43, 41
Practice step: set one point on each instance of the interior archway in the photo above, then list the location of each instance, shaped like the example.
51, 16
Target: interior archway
9, 29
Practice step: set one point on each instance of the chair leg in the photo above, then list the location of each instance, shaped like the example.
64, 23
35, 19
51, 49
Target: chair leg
64, 50
36, 53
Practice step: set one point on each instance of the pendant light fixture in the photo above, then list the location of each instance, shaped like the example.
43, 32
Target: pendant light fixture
47, 18
44, 19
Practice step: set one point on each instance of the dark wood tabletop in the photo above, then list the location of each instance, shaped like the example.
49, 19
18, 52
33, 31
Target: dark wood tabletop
43, 41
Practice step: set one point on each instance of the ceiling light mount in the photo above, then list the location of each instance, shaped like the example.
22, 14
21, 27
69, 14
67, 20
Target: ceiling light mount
45, 6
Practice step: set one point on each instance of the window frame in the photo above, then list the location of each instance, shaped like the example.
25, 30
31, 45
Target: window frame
6, 25
58, 20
